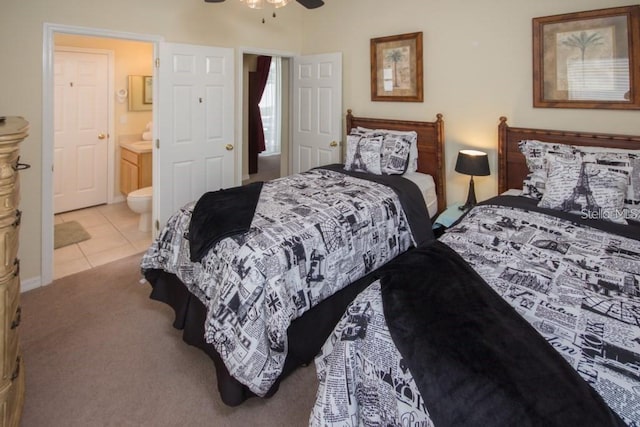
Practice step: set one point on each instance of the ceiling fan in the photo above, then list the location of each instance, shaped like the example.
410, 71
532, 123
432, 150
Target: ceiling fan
309, 4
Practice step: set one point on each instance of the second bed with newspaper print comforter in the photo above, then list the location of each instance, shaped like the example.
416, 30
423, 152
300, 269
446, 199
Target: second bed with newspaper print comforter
578, 287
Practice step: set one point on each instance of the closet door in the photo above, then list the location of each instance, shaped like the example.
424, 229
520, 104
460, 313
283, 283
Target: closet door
196, 147
317, 111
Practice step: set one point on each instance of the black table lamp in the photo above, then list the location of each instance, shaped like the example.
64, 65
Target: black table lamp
474, 163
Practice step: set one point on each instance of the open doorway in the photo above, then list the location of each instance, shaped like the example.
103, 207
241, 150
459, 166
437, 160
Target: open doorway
93, 223
265, 92
118, 125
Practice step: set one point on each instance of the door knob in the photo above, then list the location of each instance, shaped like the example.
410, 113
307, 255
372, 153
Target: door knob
102, 136
229, 147
333, 144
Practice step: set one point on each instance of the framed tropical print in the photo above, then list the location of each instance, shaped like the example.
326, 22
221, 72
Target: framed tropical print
396, 68
587, 59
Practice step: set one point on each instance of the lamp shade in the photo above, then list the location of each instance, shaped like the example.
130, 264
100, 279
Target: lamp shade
472, 162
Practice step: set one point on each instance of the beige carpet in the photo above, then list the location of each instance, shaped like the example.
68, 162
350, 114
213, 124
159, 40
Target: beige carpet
68, 233
99, 352
268, 169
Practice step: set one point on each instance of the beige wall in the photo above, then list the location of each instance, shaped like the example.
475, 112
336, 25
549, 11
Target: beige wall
477, 58
477, 67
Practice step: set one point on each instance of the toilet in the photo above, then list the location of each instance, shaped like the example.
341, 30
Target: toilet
139, 201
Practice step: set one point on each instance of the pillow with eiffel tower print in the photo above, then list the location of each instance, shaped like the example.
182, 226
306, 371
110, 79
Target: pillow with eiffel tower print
588, 189
363, 154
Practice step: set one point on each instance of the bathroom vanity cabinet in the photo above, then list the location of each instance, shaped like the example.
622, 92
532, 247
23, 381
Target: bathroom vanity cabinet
135, 169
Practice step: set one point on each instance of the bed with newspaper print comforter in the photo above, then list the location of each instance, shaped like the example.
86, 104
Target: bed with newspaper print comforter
312, 234
578, 286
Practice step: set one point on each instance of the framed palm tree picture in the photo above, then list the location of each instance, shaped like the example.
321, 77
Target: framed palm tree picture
587, 59
396, 68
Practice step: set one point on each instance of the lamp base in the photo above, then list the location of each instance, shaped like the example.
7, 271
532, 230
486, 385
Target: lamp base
471, 197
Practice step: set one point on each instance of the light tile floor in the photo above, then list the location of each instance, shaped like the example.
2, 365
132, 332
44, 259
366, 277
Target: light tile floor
114, 235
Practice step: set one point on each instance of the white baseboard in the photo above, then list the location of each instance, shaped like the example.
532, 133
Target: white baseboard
30, 284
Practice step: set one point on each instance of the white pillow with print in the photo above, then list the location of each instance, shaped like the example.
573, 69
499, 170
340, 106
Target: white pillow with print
363, 154
588, 189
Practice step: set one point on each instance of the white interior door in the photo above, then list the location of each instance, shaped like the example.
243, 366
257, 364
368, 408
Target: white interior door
195, 126
81, 123
317, 110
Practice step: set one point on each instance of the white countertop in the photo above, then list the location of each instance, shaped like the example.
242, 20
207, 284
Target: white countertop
139, 147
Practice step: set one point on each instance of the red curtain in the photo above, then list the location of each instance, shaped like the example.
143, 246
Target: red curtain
262, 74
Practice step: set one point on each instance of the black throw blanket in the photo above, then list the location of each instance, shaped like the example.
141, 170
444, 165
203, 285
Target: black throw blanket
475, 360
220, 214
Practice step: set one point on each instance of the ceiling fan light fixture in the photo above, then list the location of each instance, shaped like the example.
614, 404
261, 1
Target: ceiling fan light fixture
255, 4
279, 3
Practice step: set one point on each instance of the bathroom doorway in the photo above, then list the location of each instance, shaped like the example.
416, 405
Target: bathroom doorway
112, 226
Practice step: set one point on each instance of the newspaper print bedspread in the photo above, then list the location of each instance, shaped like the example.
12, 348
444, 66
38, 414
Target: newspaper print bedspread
578, 286
312, 234
363, 380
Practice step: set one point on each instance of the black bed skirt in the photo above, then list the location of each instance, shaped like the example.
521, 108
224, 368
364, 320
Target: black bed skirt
306, 334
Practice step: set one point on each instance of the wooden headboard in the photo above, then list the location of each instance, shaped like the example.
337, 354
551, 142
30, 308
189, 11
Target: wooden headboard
430, 145
512, 168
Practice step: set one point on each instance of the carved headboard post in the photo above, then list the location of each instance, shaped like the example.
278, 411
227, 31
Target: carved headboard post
502, 155
441, 189
349, 121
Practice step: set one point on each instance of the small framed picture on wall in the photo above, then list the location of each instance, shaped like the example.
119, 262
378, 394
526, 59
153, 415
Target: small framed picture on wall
396, 68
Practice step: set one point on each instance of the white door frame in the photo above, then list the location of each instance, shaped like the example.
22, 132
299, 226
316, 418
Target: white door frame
241, 101
48, 49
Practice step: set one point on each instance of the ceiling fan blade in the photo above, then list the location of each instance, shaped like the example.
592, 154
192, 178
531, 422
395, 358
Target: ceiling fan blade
213, 1
311, 4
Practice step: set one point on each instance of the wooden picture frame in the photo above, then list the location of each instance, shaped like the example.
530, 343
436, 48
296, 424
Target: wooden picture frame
147, 90
137, 93
396, 68
587, 59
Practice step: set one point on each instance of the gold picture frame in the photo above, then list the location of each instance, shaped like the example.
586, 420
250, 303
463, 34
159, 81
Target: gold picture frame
587, 59
396, 68
148, 90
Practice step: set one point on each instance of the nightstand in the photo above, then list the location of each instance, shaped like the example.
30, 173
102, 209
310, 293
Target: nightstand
447, 218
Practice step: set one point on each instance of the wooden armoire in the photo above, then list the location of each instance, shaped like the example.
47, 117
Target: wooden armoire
12, 131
